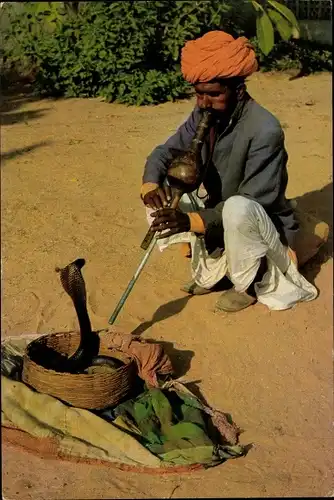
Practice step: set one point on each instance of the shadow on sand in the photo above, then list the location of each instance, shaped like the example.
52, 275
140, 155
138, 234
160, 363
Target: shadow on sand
16, 97
320, 204
15, 153
163, 312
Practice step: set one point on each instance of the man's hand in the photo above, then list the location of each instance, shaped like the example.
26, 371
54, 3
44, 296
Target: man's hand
172, 219
158, 198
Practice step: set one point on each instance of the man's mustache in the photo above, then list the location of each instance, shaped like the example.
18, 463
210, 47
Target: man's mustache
212, 110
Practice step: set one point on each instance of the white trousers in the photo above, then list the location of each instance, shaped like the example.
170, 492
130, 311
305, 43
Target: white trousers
249, 235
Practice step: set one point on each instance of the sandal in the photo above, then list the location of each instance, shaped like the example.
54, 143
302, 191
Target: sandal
232, 301
193, 289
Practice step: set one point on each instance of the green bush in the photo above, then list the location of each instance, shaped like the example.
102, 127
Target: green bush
128, 52
307, 56
124, 51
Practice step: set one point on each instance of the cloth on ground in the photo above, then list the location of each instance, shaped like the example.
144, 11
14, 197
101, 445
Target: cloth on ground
81, 434
249, 234
150, 358
173, 426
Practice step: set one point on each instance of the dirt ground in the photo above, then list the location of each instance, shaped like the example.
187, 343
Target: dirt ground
71, 174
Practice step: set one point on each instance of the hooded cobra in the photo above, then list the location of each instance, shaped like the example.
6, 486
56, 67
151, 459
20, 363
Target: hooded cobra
86, 354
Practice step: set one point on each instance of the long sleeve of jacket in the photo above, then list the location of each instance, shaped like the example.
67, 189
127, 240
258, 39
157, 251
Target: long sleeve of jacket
157, 162
264, 176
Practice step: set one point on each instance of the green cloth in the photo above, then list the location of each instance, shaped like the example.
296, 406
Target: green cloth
174, 427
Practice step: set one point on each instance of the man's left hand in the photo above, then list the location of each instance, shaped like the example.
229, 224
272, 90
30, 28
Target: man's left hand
172, 219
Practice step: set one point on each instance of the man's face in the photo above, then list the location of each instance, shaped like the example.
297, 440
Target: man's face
215, 96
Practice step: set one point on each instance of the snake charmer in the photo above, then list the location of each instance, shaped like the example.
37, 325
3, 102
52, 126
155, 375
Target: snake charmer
242, 227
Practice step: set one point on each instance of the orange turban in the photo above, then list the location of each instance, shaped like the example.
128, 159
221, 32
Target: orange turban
217, 55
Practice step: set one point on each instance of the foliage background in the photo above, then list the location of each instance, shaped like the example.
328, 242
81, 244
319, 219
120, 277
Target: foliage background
127, 52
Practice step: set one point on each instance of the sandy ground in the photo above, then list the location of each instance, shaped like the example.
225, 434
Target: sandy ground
71, 173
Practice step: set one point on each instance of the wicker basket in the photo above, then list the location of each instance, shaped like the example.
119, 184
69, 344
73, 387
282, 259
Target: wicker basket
93, 392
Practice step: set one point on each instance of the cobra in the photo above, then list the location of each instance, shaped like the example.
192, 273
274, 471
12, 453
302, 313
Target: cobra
86, 354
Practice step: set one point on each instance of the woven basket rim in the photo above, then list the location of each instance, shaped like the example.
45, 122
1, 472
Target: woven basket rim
87, 376
129, 362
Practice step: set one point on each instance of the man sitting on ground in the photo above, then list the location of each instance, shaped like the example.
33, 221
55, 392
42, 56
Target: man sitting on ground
245, 229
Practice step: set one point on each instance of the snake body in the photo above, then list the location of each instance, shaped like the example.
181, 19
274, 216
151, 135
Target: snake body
86, 354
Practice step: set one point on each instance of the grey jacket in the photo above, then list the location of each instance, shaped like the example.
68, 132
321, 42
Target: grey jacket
248, 158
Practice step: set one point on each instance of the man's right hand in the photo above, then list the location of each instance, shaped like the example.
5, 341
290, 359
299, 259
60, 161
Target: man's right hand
158, 197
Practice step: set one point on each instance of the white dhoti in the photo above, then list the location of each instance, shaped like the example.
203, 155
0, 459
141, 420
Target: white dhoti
249, 235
